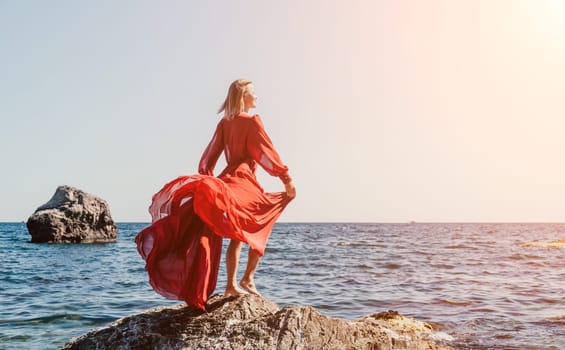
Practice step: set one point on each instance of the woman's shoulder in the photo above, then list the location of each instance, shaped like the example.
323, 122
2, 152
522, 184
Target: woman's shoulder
249, 119
241, 122
244, 115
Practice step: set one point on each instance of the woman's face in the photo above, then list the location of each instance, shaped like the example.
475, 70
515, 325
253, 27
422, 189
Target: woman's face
249, 98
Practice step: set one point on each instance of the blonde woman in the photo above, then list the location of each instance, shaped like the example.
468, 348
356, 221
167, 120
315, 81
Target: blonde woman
191, 214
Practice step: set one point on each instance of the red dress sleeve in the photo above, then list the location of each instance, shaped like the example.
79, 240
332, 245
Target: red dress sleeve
212, 152
261, 149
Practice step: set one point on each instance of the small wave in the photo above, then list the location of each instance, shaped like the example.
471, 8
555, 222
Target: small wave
455, 303
326, 307
273, 250
548, 301
516, 257
41, 320
360, 244
443, 266
483, 310
54, 319
373, 231
8, 339
459, 246
504, 336
363, 267
558, 320
441, 337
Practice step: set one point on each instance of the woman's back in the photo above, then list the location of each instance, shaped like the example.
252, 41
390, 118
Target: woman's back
235, 133
244, 142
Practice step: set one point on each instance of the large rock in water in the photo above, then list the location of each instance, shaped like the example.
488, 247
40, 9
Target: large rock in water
72, 216
252, 322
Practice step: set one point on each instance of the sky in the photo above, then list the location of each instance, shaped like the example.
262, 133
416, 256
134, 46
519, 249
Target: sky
384, 110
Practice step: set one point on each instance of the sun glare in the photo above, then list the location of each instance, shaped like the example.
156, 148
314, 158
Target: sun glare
555, 5
549, 19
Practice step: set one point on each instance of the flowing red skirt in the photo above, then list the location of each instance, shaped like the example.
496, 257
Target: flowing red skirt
190, 216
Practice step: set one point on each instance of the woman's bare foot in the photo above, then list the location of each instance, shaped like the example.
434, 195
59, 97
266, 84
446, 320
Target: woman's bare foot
249, 286
233, 290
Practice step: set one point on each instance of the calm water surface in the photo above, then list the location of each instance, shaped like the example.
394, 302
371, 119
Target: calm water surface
474, 282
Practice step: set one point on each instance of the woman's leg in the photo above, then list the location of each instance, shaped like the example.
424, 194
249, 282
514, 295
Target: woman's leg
247, 281
232, 260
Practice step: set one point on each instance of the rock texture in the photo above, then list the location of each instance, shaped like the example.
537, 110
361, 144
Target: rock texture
560, 243
252, 322
72, 216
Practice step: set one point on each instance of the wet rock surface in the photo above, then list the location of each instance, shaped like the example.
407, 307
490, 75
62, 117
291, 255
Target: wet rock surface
252, 322
72, 216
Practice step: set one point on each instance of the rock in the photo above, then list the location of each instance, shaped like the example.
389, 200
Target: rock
252, 322
72, 216
560, 243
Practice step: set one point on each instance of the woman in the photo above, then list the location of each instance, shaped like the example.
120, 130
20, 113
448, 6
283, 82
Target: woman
191, 214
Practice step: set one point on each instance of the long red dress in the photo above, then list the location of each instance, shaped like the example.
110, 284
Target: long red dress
191, 214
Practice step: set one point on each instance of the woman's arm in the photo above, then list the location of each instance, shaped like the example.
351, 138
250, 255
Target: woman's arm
212, 152
261, 149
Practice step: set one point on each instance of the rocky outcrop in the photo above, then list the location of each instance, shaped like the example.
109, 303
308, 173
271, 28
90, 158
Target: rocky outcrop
72, 216
560, 243
252, 322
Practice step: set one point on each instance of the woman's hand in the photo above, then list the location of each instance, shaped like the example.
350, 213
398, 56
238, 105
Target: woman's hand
290, 189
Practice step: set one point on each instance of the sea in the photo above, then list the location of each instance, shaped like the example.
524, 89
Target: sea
477, 284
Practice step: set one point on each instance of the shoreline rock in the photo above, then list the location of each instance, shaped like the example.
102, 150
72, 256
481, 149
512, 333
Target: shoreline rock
559, 243
72, 216
252, 322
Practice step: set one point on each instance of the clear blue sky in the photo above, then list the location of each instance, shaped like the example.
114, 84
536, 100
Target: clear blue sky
385, 111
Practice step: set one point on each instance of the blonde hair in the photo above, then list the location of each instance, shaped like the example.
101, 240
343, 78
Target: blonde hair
233, 105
